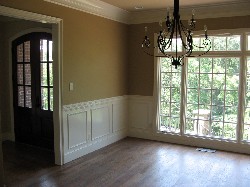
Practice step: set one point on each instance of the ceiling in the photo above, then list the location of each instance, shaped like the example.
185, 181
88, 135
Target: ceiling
130, 5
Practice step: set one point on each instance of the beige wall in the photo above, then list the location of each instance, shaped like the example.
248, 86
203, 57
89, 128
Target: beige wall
95, 54
141, 68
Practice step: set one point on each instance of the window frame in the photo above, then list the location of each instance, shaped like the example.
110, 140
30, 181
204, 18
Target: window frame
243, 54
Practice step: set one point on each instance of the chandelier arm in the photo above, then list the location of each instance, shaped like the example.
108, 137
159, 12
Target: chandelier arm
160, 42
184, 30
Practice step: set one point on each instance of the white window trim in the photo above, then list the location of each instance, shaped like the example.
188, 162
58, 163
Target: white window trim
243, 54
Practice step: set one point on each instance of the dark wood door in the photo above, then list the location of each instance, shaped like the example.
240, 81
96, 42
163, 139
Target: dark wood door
33, 89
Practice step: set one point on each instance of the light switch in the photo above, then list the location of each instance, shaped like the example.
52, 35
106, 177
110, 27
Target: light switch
71, 86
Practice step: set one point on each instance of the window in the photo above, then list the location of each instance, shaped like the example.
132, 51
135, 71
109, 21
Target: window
210, 89
246, 129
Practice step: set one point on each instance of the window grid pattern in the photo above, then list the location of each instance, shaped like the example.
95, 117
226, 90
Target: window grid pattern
170, 97
46, 75
212, 97
24, 75
216, 115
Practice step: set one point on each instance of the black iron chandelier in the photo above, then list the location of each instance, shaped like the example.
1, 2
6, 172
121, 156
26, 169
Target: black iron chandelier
175, 30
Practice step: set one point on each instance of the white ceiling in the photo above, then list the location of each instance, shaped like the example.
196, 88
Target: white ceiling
130, 5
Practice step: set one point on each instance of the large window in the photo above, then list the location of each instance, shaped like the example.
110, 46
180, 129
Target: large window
210, 95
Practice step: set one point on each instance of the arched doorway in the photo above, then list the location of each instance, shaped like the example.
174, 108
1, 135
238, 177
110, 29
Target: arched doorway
32, 65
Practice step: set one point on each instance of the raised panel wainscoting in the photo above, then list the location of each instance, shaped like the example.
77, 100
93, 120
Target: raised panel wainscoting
91, 125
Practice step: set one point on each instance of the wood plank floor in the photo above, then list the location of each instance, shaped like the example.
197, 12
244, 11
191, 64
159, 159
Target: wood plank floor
129, 162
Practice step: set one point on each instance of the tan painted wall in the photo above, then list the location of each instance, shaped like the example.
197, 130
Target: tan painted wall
141, 68
94, 51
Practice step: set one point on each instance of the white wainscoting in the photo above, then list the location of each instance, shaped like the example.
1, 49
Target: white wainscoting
142, 125
141, 116
91, 125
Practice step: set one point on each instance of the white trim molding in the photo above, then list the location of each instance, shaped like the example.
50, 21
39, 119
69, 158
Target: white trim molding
91, 125
21, 14
102, 9
202, 12
95, 7
57, 25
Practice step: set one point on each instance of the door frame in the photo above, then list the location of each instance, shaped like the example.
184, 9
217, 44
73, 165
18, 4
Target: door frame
57, 37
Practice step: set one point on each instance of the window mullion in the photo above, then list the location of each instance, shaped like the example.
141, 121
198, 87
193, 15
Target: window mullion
183, 96
242, 90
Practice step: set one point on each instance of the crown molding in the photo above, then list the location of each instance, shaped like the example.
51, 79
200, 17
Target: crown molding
102, 9
95, 7
20, 14
201, 12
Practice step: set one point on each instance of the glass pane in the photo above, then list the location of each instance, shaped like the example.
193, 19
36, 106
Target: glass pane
43, 50
20, 74
50, 51
20, 53
20, 96
196, 44
248, 42
27, 51
191, 111
166, 79
232, 82
165, 109
175, 95
189, 129
193, 65
165, 95
205, 80
231, 98
248, 82
246, 135
230, 131
176, 80
219, 81
179, 45
192, 96
233, 43
165, 65
231, 114
51, 99
217, 113
233, 65
28, 97
217, 129
44, 80
27, 74
220, 43
193, 80
205, 96
206, 65
44, 98
219, 65
50, 74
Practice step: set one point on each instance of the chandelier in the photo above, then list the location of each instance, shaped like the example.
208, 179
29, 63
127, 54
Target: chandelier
173, 30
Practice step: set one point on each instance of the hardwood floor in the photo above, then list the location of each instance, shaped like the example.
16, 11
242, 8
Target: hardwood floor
129, 162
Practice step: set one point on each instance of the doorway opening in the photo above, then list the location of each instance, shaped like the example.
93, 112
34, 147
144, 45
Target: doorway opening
32, 64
